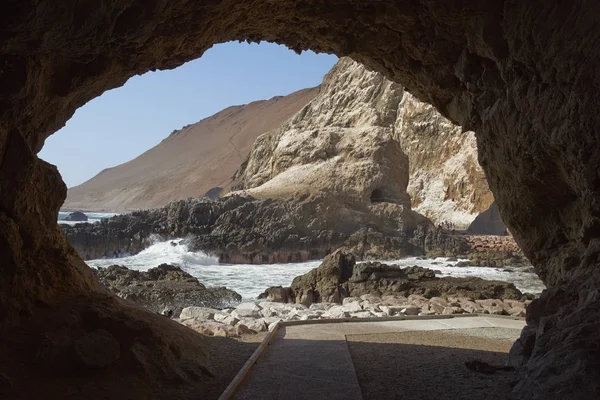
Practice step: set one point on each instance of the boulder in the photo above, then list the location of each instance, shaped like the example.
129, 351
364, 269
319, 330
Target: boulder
76, 216
198, 313
472, 307
411, 311
226, 319
166, 289
247, 310
336, 312
277, 293
256, 325
210, 328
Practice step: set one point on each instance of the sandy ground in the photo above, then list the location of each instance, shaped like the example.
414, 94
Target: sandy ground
431, 365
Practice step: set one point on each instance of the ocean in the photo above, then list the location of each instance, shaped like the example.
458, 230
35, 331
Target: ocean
250, 280
92, 217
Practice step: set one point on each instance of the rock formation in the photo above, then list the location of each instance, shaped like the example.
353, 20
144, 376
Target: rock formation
246, 230
165, 289
364, 138
76, 216
521, 75
446, 183
190, 162
339, 276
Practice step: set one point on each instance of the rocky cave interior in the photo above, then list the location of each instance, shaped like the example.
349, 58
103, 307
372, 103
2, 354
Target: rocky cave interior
522, 75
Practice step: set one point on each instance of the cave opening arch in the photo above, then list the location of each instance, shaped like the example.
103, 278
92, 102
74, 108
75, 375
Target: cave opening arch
499, 68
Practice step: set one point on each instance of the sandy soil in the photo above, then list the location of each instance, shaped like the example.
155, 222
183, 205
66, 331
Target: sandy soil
431, 365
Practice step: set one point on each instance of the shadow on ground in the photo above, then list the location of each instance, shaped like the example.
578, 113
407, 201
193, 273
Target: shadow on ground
429, 365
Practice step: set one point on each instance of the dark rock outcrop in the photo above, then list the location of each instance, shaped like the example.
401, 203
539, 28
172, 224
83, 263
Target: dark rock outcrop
76, 216
521, 74
247, 230
165, 289
339, 277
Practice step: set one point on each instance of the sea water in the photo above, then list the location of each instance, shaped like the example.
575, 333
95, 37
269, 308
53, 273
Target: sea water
92, 217
250, 280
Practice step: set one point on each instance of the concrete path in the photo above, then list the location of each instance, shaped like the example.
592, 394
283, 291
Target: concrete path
313, 361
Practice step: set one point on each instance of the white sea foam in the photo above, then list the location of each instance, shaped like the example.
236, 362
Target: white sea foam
247, 279
525, 281
250, 280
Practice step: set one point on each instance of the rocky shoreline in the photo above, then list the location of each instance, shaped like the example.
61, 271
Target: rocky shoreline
165, 289
338, 288
245, 230
252, 318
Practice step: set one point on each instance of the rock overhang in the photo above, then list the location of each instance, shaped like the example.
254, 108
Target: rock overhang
522, 75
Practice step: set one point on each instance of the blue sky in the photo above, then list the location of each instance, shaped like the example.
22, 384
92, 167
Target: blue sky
124, 122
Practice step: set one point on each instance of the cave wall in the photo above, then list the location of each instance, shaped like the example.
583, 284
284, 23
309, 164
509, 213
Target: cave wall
522, 75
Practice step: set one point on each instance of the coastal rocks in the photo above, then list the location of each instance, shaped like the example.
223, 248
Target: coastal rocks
339, 277
76, 216
262, 316
165, 289
240, 229
113, 237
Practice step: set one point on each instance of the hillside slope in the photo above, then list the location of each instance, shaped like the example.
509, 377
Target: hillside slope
189, 162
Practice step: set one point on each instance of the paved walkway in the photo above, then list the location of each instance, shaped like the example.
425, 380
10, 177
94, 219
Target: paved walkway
313, 361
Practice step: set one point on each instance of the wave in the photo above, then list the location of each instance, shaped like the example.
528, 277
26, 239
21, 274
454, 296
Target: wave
169, 252
250, 280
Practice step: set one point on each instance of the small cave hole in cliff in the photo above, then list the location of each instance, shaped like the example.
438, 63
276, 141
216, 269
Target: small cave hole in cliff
377, 196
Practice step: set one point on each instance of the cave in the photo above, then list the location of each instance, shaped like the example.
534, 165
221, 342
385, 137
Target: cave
523, 75
377, 196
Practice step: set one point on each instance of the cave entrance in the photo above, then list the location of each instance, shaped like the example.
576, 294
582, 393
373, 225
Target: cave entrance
474, 61
377, 196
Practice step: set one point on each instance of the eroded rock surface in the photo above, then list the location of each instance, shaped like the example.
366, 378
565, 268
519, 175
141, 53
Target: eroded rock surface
165, 289
247, 230
339, 276
522, 75
364, 139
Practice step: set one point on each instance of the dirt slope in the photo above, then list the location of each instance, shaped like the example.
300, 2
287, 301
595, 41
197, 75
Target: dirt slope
190, 161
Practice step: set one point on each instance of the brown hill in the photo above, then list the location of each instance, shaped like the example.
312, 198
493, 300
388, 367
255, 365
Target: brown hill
188, 163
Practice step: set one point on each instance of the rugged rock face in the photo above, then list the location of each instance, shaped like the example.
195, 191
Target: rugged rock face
364, 139
247, 230
339, 277
165, 289
522, 75
446, 183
